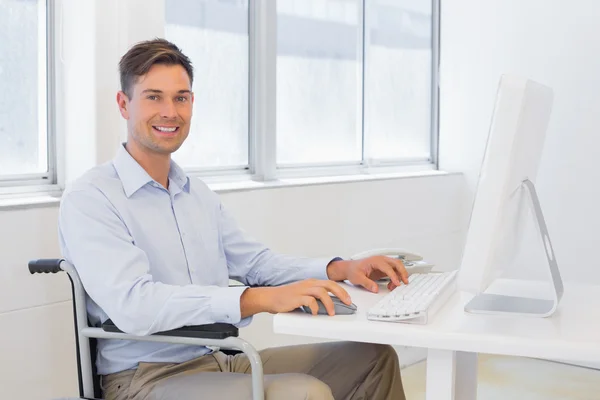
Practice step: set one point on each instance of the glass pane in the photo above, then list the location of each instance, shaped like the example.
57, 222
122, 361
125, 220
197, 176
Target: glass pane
23, 81
398, 79
214, 35
318, 81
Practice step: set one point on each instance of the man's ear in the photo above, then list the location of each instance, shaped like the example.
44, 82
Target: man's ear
123, 103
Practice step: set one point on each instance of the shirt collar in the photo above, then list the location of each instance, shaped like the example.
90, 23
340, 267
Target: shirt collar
133, 176
178, 175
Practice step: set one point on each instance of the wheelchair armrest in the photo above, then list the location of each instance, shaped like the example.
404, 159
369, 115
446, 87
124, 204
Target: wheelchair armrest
208, 331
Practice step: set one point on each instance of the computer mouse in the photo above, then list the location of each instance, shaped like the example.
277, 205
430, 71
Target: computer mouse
339, 307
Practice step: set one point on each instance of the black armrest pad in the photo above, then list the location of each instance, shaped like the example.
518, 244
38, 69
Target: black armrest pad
209, 331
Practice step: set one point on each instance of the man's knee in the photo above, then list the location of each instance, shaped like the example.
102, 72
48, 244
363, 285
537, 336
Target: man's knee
386, 359
298, 386
387, 352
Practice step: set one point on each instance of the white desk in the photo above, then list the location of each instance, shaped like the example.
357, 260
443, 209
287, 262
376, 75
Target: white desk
454, 337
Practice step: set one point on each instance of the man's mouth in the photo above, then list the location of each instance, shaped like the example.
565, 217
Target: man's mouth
165, 130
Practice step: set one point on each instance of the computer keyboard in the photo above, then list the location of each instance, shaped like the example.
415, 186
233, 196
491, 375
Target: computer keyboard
417, 301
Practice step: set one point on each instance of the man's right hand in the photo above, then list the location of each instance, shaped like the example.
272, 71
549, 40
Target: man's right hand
292, 296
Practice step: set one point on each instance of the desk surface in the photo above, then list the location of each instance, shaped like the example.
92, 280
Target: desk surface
571, 334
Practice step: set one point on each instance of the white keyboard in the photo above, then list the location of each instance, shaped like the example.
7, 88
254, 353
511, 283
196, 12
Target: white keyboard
417, 301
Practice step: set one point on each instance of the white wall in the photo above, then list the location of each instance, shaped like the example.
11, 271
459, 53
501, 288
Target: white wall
555, 43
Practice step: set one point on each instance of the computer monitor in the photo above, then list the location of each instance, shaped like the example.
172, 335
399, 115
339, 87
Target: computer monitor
506, 186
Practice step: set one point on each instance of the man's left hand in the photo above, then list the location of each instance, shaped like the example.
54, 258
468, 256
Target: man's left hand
366, 271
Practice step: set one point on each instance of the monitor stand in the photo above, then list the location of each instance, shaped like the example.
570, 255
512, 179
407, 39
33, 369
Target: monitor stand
486, 303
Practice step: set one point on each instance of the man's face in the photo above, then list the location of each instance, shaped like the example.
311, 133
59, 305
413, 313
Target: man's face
159, 111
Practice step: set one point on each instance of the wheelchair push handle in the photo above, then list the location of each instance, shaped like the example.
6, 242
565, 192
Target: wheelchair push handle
45, 265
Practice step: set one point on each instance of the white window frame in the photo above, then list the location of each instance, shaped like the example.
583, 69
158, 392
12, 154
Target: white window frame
262, 165
27, 183
263, 106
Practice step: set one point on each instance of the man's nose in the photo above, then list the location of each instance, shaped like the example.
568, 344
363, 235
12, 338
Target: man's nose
168, 109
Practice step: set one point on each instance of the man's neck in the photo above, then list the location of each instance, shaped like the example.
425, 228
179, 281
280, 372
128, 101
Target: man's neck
155, 164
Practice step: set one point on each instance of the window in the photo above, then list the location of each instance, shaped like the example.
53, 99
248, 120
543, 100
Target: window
318, 82
299, 84
214, 35
26, 152
398, 79
354, 82
282, 87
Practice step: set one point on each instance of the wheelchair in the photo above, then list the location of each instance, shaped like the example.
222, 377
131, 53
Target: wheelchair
221, 335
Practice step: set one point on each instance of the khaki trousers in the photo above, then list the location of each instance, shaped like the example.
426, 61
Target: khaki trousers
341, 370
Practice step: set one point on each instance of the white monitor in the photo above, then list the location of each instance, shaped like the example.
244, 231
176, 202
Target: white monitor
506, 186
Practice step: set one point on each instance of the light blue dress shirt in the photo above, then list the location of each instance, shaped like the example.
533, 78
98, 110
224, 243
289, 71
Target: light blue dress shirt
153, 259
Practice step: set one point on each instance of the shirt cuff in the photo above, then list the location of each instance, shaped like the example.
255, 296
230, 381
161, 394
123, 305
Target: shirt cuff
317, 268
225, 305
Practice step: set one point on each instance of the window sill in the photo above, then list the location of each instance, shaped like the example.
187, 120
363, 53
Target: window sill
25, 201
247, 184
225, 185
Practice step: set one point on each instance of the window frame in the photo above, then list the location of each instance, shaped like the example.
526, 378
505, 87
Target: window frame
262, 85
25, 183
368, 166
262, 135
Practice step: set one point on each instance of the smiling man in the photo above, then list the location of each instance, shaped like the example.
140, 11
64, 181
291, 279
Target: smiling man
156, 100
155, 251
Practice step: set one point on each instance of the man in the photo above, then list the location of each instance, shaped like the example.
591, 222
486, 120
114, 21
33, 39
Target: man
155, 250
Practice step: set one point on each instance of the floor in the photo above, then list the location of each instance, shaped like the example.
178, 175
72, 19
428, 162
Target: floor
502, 378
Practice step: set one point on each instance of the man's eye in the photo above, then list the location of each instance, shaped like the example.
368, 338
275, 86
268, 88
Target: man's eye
182, 99
152, 97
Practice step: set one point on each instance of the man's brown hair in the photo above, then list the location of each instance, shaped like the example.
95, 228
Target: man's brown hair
141, 57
